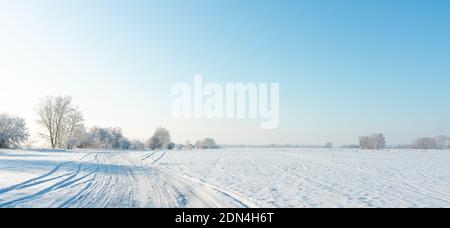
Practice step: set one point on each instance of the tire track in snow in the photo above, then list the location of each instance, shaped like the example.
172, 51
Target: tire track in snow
176, 191
44, 191
158, 159
234, 196
116, 179
38, 180
148, 156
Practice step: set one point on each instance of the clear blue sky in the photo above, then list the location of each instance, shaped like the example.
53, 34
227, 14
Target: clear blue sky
345, 68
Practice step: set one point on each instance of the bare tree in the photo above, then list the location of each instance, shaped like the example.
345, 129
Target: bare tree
123, 143
188, 145
137, 145
171, 146
180, 146
13, 131
364, 142
73, 124
59, 118
448, 143
378, 141
442, 142
154, 143
207, 143
372, 142
425, 143
107, 138
160, 140
78, 138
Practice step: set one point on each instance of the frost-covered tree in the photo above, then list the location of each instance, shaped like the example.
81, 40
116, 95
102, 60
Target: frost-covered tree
448, 143
78, 138
73, 128
180, 146
207, 143
329, 145
188, 145
425, 143
124, 144
171, 146
199, 144
107, 138
154, 143
378, 141
442, 142
59, 118
118, 141
13, 131
160, 140
137, 145
99, 138
372, 142
364, 142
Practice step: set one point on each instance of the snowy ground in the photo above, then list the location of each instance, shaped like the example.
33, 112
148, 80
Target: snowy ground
225, 178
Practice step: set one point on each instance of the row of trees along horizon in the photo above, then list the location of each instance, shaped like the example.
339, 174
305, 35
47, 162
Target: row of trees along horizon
64, 128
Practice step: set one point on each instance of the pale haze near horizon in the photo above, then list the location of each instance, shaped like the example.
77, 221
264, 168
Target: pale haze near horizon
342, 73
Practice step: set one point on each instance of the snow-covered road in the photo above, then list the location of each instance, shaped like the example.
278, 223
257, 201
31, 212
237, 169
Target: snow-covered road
225, 178
100, 179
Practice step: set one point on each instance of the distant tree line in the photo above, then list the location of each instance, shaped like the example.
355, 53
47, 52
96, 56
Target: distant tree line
282, 146
377, 142
427, 143
63, 127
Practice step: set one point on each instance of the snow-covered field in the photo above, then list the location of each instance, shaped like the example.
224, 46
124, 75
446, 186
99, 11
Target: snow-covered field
225, 178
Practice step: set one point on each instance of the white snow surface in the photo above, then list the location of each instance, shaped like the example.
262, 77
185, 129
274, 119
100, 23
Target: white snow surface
225, 178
